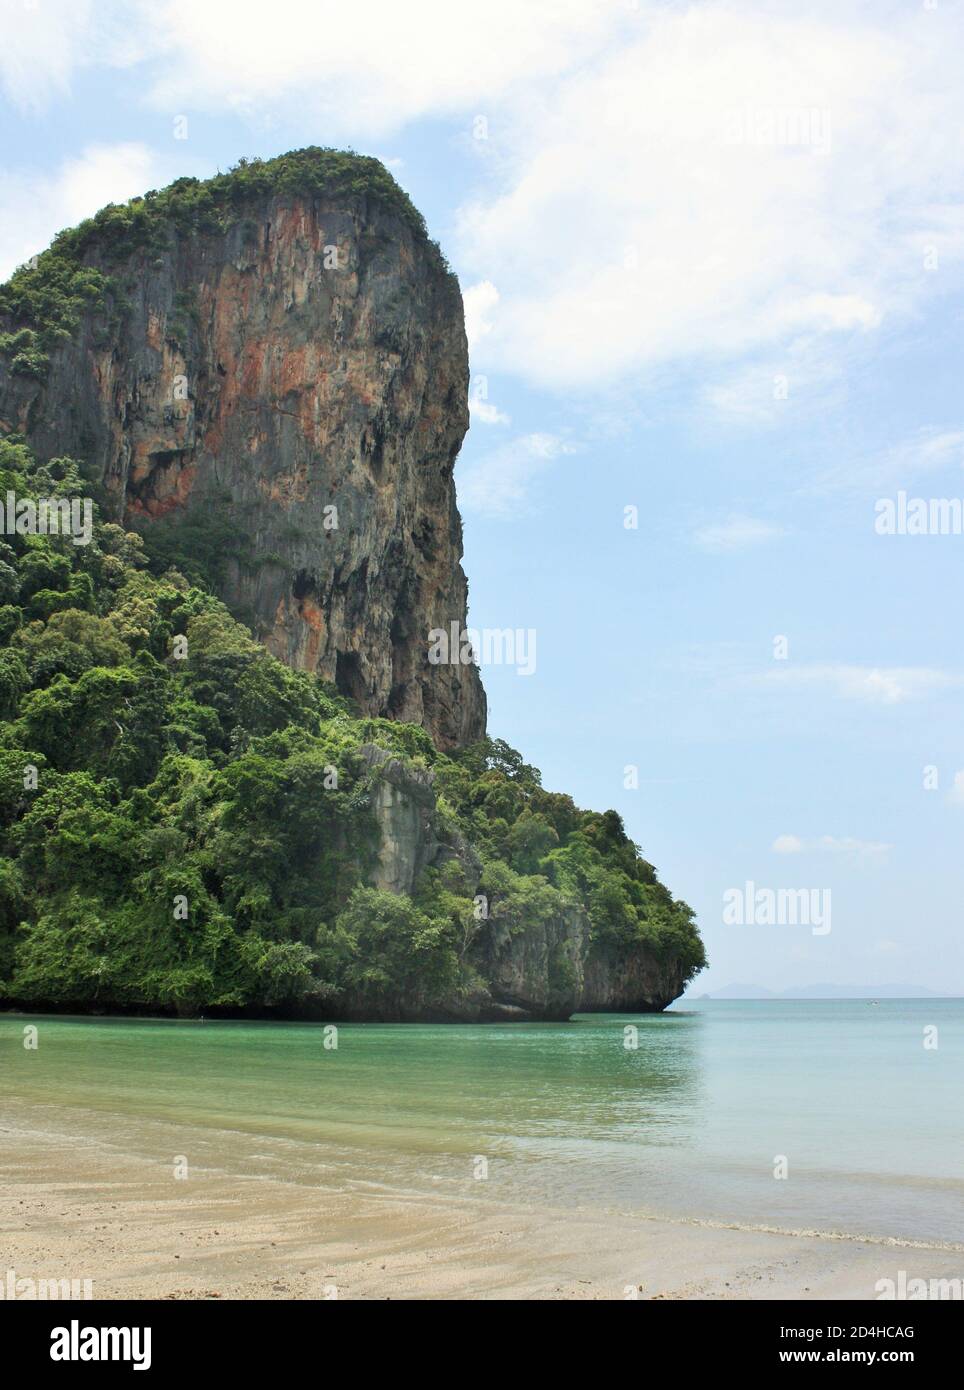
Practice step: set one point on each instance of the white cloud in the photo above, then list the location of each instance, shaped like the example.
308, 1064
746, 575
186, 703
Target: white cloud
787, 844
486, 413
663, 187
868, 684
483, 411
763, 388
847, 847
45, 42
630, 229
749, 395
40, 48
479, 301
498, 483
929, 450
835, 312
368, 73
349, 75
35, 209
736, 533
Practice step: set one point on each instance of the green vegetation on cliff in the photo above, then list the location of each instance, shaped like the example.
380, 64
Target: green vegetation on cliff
173, 837
42, 302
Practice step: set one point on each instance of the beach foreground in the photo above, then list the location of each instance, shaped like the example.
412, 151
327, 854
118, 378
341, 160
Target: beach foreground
75, 1205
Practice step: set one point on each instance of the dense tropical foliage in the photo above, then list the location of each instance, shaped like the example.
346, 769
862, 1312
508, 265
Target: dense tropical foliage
186, 824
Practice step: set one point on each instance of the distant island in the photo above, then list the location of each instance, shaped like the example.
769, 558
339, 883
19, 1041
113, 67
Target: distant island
822, 991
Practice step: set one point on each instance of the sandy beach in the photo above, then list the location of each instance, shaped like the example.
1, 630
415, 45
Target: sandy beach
76, 1205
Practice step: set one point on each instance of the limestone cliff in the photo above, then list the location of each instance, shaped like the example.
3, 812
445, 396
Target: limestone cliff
548, 969
281, 359
266, 374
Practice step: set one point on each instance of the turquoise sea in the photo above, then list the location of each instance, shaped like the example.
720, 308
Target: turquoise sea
689, 1122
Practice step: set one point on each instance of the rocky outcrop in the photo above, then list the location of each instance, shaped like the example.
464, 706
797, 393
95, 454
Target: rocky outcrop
403, 804
296, 377
629, 981
268, 373
535, 973
544, 969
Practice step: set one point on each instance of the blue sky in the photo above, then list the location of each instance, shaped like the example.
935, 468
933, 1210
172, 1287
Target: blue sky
712, 262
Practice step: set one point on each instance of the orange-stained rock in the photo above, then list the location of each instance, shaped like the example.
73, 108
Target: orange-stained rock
247, 383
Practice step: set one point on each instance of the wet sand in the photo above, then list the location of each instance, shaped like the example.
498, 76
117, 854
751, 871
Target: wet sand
76, 1205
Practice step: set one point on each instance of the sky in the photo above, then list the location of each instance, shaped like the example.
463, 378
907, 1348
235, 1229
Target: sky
712, 257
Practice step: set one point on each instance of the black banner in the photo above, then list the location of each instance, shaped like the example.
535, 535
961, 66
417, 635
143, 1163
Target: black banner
164, 1338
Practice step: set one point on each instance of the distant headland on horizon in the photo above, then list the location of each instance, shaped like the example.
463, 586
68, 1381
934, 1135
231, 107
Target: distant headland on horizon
742, 990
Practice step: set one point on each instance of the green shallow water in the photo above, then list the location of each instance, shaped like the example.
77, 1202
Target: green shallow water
687, 1124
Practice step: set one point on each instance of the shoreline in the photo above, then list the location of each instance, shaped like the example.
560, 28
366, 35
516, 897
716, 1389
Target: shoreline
75, 1205
493, 1015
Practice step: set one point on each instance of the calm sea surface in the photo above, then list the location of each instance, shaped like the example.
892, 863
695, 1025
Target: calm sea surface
689, 1123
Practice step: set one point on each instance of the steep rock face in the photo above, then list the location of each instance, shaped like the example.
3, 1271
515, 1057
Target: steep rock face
299, 379
633, 982
533, 973
404, 808
403, 804
548, 970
